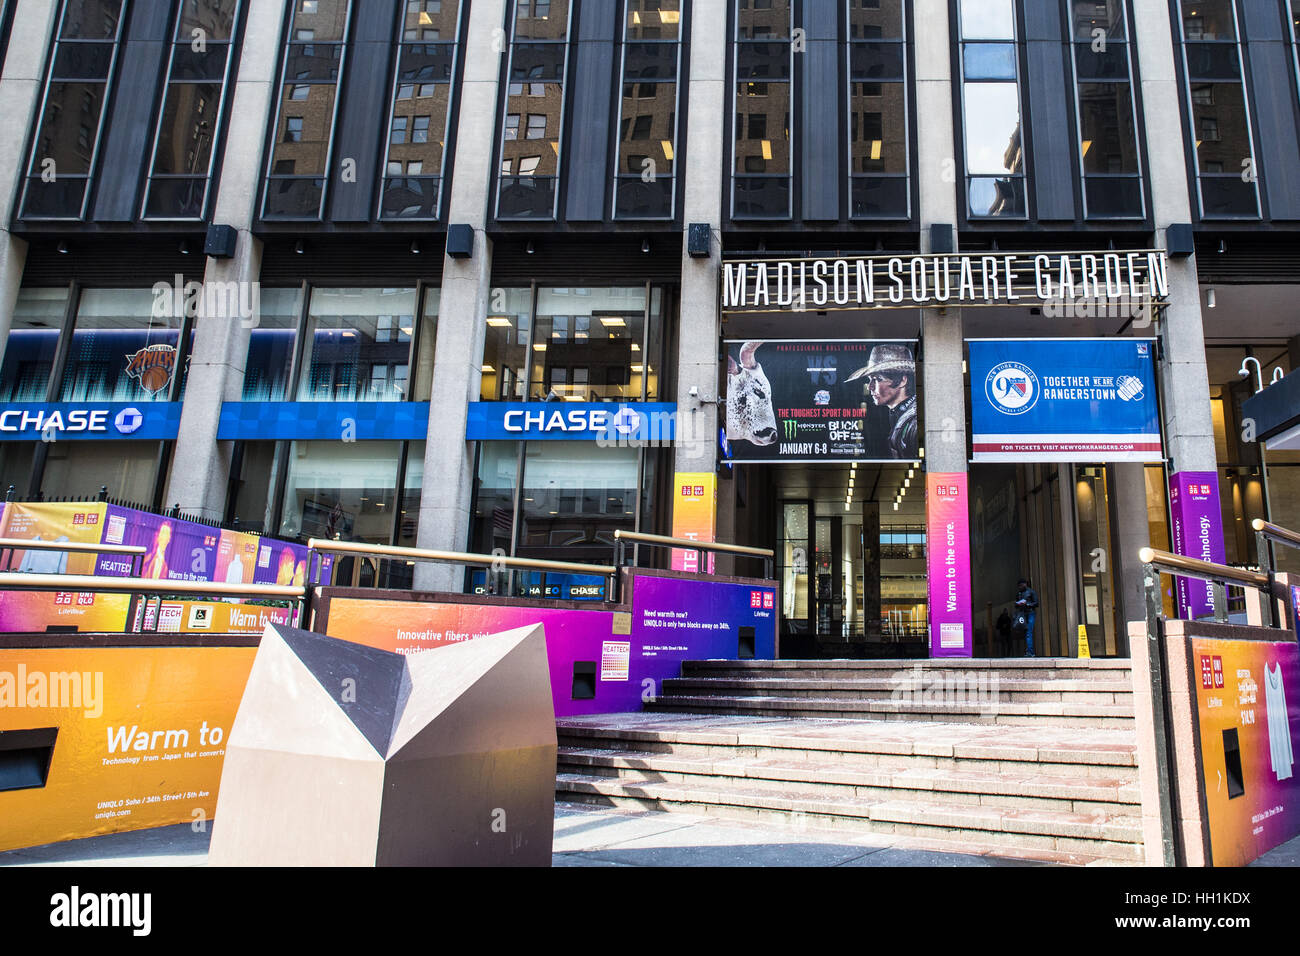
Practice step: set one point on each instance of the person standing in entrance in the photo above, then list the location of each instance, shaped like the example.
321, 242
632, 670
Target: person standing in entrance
1026, 606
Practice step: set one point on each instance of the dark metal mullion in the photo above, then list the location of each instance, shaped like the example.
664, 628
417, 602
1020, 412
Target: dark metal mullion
42, 450
413, 352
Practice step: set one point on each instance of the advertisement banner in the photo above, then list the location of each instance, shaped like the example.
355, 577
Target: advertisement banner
37, 612
695, 515
207, 617
1197, 524
792, 401
175, 549
1069, 400
1249, 718
673, 620
120, 738
947, 524
82, 522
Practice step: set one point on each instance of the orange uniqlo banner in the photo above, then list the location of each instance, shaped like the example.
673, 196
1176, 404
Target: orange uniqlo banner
138, 737
79, 522
695, 515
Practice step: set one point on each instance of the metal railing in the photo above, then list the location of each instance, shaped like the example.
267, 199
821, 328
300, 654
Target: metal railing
151, 589
496, 562
701, 548
9, 545
1154, 563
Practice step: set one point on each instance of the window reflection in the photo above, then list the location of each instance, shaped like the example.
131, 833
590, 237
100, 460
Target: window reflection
120, 352
304, 129
647, 130
358, 345
992, 133
31, 345
761, 174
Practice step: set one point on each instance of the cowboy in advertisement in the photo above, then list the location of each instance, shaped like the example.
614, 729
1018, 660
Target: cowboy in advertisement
891, 382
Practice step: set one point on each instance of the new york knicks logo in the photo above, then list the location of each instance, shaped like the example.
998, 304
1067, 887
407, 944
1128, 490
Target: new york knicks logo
152, 367
1012, 388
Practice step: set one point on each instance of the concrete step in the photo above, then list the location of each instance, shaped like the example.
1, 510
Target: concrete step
864, 744
1094, 837
1012, 668
1076, 715
906, 686
1117, 796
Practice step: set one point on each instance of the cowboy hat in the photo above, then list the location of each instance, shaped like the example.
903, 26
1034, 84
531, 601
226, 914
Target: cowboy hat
887, 358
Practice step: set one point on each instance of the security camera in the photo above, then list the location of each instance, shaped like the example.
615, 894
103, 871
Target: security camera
695, 391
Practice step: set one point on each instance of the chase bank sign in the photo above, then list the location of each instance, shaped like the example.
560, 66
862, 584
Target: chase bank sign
629, 422
89, 421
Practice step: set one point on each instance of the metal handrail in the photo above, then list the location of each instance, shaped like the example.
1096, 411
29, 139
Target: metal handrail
691, 545
1275, 532
22, 544
1205, 570
1219, 575
509, 562
25, 581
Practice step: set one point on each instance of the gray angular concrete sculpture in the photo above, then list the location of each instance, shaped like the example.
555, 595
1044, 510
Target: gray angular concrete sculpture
344, 755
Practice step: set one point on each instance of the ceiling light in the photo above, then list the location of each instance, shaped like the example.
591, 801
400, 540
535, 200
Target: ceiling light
539, 347
612, 322
895, 505
667, 145
300, 247
1211, 301
530, 248
498, 321
488, 369
645, 245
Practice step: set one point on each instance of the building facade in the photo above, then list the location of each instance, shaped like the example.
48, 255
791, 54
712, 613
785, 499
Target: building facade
452, 274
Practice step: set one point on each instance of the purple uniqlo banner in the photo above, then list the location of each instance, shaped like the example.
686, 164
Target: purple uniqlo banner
1197, 526
947, 522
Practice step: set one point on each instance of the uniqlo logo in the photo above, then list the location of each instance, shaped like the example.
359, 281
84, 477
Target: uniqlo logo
1207, 672
92, 519
78, 519
941, 491
756, 599
1218, 671
686, 491
699, 491
769, 600
952, 491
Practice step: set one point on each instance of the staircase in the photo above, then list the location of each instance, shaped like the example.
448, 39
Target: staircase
1025, 758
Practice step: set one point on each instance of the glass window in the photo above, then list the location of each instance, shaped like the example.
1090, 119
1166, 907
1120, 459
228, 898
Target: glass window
300, 156
121, 352
358, 345
412, 186
537, 70
494, 496
1219, 112
78, 469
409, 524
343, 490
582, 347
992, 134
575, 495
762, 170
645, 177
505, 349
1108, 139
32, 343
878, 122
258, 463
271, 346
77, 85
188, 126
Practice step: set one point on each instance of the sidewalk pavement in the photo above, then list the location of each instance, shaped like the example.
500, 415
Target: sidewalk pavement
594, 836
584, 836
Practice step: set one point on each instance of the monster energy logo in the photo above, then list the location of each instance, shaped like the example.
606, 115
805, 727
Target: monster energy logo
791, 428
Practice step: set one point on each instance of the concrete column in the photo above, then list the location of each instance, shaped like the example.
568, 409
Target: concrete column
704, 183
200, 469
1189, 428
1129, 533
943, 396
448, 489
20, 97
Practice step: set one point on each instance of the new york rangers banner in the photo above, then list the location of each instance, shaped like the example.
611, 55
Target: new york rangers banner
1084, 400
